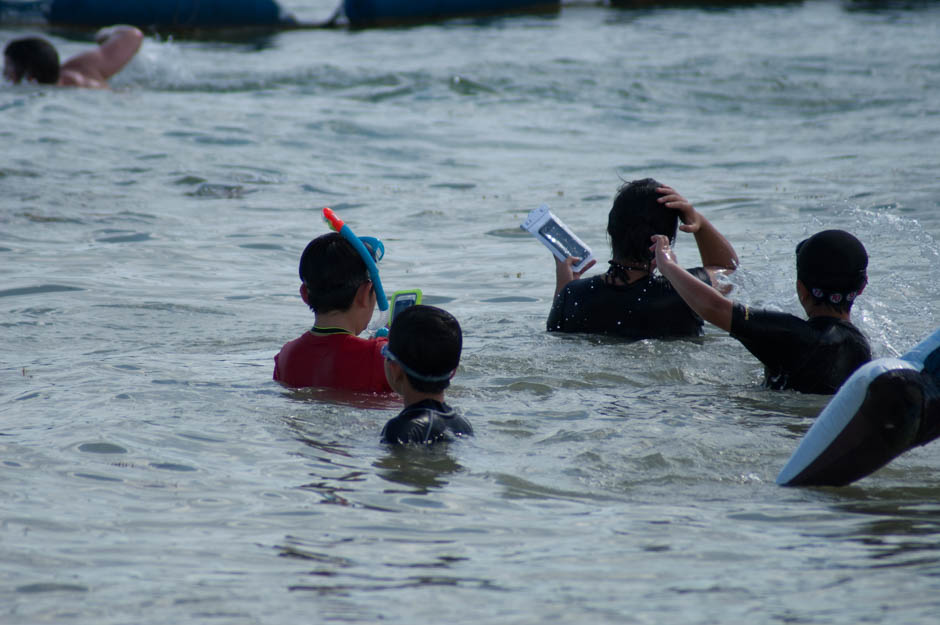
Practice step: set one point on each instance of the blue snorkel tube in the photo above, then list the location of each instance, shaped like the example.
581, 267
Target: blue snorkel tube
362, 245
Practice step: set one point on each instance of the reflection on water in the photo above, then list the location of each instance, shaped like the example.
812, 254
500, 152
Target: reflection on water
422, 468
905, 532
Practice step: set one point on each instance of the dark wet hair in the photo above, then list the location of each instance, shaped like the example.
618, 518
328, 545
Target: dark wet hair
333, 270
427, 340
635, 217
33, 58
832, 265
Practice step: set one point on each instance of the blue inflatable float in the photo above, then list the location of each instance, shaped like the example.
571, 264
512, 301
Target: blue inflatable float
885, 408
170, 14
246, 14
363, 13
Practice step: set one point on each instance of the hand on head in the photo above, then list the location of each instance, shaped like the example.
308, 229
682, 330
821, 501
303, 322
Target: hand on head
687, 213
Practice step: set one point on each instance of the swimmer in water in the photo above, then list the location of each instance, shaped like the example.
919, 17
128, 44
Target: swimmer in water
628, 300
34, 59
814, 356
335, 284
421, 357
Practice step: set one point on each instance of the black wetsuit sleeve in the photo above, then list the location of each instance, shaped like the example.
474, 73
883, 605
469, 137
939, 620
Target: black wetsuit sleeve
779, 340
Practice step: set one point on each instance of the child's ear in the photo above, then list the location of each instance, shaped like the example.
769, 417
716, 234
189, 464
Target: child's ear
395, 374
801, 291
304, 295
364, 295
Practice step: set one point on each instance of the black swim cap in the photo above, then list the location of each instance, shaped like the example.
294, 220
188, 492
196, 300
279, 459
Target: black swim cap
426, 340
833, 261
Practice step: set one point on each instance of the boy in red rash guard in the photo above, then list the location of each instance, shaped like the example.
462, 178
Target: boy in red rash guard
335, 284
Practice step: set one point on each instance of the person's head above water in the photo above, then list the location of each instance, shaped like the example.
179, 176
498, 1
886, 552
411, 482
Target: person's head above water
832, 265
31, 59
636, 216
332, 271
425, 342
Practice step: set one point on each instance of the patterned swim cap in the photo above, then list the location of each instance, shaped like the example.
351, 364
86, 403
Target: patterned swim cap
833, 265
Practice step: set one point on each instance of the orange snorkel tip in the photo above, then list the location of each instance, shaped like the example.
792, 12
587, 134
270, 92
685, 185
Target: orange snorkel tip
330, 217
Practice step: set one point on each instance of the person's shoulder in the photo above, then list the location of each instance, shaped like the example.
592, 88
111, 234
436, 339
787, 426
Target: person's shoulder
400, 429
309, 343
834, 324
854, 329
339, 338
363, 345
754, 312
290, 351
749, 321
586, 283
366, 340
845, 330
578, 289
83, 70
456, 423
300, 340
72, 77
427, 421
346, 342
425, 406
460, 425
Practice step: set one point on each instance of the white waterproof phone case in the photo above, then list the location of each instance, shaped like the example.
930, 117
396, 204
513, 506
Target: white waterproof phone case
556, 236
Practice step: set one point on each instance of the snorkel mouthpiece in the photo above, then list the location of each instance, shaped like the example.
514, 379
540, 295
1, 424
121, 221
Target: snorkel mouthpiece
369, 257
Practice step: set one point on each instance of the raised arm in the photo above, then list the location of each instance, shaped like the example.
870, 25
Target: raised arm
711, 305
117, 46
718, 256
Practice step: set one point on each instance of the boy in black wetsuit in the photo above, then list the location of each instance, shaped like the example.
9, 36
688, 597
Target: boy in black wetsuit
421, 357
814, 356
628, 300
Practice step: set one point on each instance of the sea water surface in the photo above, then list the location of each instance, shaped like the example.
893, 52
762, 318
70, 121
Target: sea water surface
153, 473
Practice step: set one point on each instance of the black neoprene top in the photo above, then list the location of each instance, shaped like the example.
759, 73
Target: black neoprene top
814, 356
647, 308
427, 421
